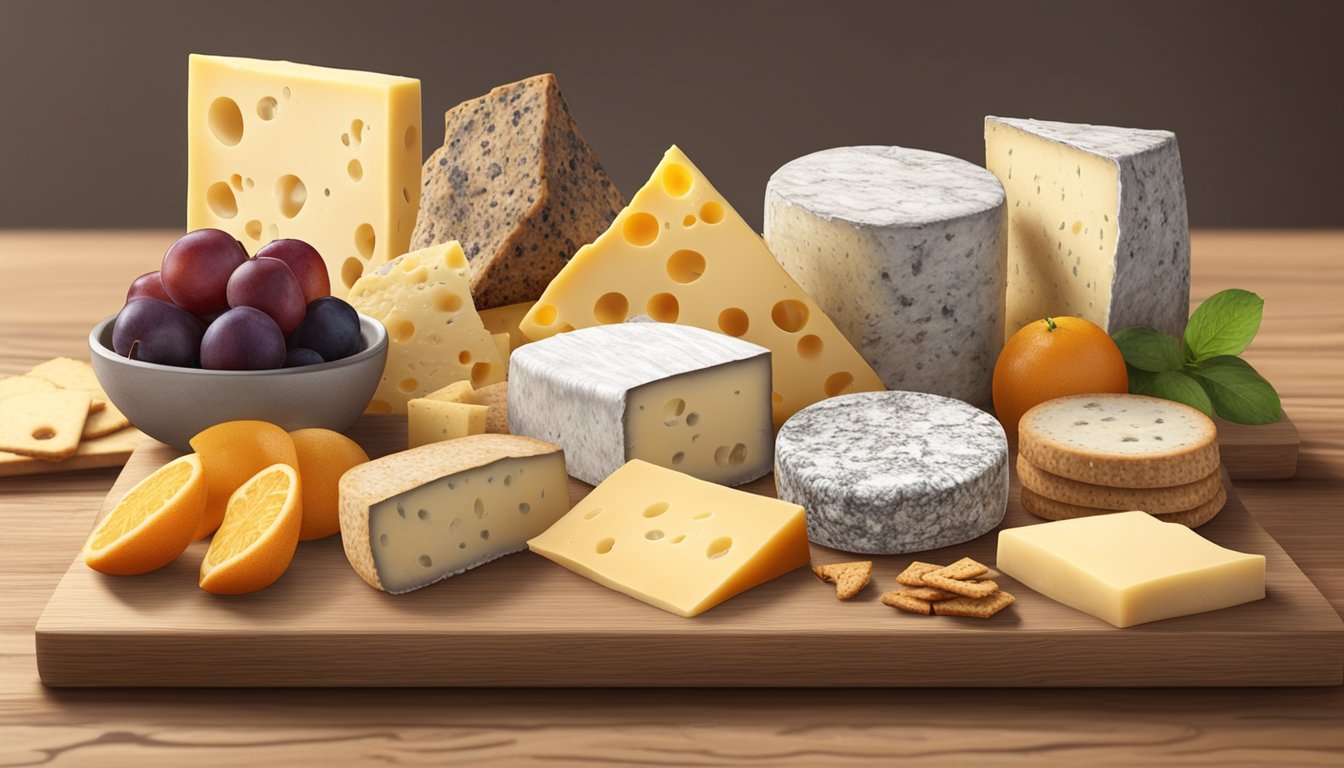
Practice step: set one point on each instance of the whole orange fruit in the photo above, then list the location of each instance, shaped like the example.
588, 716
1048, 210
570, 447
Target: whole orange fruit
1050, 358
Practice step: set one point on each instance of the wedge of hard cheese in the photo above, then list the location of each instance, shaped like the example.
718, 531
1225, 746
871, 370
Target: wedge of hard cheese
413, 518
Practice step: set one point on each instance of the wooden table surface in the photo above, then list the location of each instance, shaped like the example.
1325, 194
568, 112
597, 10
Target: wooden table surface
55, 285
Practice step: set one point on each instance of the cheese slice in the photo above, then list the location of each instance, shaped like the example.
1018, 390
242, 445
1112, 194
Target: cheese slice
1129, 568
672, 395
410, 519
456, 411
674, 542
434, 335
1097, 223
680, 254
506, 319
328, 156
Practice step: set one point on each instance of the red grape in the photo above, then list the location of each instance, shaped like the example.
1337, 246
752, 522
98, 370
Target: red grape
157, 332
270, 286
196, 270
148, 284
243, 339
330, 328
300, 356
306, 263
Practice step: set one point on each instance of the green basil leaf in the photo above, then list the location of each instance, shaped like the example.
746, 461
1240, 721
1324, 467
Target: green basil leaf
1238, 392
1137, 379
1148, 349
1174, 385
1225, 324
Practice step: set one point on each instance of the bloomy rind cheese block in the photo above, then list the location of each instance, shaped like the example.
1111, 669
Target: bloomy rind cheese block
412, 518
518, 186
673, 395
1154, 501
1193, 517
328, 156
677, 543
1125, 441
906, 251
1097, 223
1129, 568
680, 253
894, 472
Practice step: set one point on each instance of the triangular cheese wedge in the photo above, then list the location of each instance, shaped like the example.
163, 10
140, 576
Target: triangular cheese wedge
434, 335
679, 253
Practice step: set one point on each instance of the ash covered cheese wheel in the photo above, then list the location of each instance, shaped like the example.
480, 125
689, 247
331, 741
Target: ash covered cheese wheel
893, 472
905, 250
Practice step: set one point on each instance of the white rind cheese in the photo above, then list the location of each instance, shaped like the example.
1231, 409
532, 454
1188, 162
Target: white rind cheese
672, 395
893, 472
905, 250
1097, 223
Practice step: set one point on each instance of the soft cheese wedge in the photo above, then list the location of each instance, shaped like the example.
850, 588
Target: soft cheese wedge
679, 253
675, 542
416, 517
1129, 568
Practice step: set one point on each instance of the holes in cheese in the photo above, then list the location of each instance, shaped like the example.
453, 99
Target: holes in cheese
226, 121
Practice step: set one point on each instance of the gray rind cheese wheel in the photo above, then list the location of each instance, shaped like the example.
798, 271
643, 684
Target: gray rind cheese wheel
893, 472
1049, 509
1155, 501
1123, 441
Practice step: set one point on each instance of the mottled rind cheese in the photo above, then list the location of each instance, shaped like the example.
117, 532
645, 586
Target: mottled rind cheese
1097, 224
328, 156
892, 472
905, 250
518, 186
672, 395
680, 254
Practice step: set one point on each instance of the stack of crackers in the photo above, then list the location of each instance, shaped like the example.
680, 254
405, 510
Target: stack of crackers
948, 590
56, 417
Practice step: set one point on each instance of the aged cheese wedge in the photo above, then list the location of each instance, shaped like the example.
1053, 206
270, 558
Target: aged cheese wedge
1129, 568
674, 542
410, 519
680, 254
328, 156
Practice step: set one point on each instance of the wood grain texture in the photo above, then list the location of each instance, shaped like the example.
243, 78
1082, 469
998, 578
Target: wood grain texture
45, 519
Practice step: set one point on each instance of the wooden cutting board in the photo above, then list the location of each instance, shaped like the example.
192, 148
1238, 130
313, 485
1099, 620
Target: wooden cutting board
523, 621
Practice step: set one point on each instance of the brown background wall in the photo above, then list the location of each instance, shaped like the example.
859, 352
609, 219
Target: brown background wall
92, 92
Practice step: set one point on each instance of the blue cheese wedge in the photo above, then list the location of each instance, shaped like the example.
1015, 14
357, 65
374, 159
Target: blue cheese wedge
891, 472
680, 397
905, 250
1097, 223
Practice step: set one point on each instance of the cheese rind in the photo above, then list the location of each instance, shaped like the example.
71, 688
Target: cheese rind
906, 251
1097, 223
1129, 568
894, 472
328, 156
410, 519
677, 543
672, 395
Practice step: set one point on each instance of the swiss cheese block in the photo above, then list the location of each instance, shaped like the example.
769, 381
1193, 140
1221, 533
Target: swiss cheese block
410, 519
892, 472
434, 335
905, 250
328, 156
1097, 223
680, 254
671, 395
1129, 568
517, 185
675, 542
506, 319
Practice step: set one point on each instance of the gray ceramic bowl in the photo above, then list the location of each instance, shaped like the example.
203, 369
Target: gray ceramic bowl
172, 404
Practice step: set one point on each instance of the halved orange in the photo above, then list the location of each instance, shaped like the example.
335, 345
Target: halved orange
231, 453
260, 532
152, 524
324, 456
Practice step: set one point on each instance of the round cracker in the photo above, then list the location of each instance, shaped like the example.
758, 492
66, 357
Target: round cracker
1156, 501
1050, 509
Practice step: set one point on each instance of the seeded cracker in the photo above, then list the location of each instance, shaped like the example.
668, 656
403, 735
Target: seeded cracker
43, 425
965, 568
905, 602
849, 578
976, 608
967, 588
913, 575
927, 594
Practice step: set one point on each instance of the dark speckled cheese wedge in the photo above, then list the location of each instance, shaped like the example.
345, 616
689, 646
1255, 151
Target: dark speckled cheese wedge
518, 187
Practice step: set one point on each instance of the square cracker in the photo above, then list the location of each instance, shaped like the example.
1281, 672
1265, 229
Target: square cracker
927, 594
15, 386
105, 422
913, 574
69, 373
43, 425
849, 578
965, 588
109, 451
963, 569
974, 607
905, 602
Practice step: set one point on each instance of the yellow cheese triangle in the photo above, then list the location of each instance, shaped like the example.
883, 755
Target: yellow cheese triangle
680, 253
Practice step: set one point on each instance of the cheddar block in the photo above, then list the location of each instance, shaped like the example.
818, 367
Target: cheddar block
506, 319
328, 156
434, 335
677, 543
410, 519
679, 253
1129, 568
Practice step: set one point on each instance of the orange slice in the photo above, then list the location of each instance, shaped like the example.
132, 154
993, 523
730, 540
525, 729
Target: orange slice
324, 456
260, 532
231, 453
152, 524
